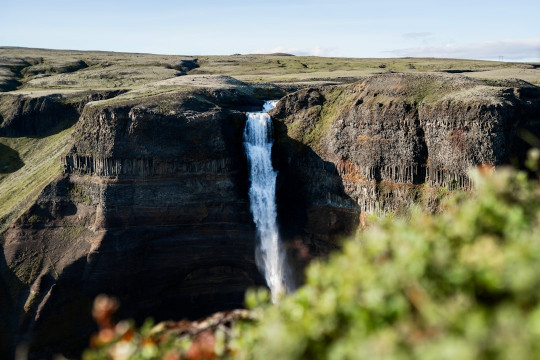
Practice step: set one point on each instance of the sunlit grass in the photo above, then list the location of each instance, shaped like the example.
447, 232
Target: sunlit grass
107, 70
41, 157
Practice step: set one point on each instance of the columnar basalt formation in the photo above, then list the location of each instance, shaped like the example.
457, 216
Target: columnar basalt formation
390, 140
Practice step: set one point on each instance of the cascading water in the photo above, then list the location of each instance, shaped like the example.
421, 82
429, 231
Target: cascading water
270, 256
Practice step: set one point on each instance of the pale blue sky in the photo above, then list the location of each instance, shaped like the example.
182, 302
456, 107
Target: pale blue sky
462, 29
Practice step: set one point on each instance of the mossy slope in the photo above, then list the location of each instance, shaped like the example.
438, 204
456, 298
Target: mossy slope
41, 158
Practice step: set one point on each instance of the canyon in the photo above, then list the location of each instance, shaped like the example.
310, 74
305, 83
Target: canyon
147, 195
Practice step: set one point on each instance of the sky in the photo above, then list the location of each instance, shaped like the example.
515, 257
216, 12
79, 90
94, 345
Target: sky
377, 28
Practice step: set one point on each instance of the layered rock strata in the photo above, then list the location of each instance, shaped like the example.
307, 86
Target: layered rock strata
152, 208
153, 204
391, 140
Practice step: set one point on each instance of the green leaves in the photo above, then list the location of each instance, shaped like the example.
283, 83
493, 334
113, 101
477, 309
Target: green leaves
462, 284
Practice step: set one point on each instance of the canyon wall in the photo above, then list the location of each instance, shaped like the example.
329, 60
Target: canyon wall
43, 115
153, 205
152, 208
391, 140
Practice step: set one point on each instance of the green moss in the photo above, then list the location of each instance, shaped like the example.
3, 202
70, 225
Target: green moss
337, 101
426, 91
329, 111
71, 233
27, 266
78, 194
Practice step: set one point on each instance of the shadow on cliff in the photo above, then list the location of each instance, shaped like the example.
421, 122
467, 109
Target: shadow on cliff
162, 273
151, 279
43, 116
10, 287
64, 324
166, 258
10, 161
39, 117
314, 212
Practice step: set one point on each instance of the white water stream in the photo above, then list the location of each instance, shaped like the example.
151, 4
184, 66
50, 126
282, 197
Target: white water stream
270, 255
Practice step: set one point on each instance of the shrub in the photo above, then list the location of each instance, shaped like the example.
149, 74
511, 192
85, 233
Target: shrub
462, 284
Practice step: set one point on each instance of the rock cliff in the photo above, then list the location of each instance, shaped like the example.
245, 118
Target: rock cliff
391, 140
152, 206
41, 116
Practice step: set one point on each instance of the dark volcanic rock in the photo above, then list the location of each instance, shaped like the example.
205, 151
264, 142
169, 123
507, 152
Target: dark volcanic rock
37, 116
184, 66
10, 72
61, 68
153, 205
152, 209
391, 138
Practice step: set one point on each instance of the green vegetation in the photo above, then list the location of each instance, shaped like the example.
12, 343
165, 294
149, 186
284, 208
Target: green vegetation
55, 69
39, 71
461, 284
335, 103
273, 68
26, 274
426, 90
41, 158
313, 127
75, 74
78, 194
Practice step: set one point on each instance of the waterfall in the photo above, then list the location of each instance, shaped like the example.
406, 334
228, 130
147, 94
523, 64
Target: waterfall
270, 255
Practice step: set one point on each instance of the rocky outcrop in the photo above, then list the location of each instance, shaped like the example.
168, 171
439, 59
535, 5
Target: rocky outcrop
391, 140
40, 116
67, 66
153, 204
184, 66
10, 72
152, 208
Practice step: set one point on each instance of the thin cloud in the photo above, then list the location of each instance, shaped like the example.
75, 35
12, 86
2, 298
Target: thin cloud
417, 35
510, 49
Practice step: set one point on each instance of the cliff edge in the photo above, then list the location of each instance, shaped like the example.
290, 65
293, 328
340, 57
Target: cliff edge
391, 140
149, 200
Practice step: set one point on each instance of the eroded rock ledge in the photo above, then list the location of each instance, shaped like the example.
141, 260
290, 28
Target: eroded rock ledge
152, 208
392, 139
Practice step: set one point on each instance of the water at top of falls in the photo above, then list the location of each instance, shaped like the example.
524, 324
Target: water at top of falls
269, 105
270, 255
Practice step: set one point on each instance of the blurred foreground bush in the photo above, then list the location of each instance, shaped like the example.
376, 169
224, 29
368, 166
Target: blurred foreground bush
461, 284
